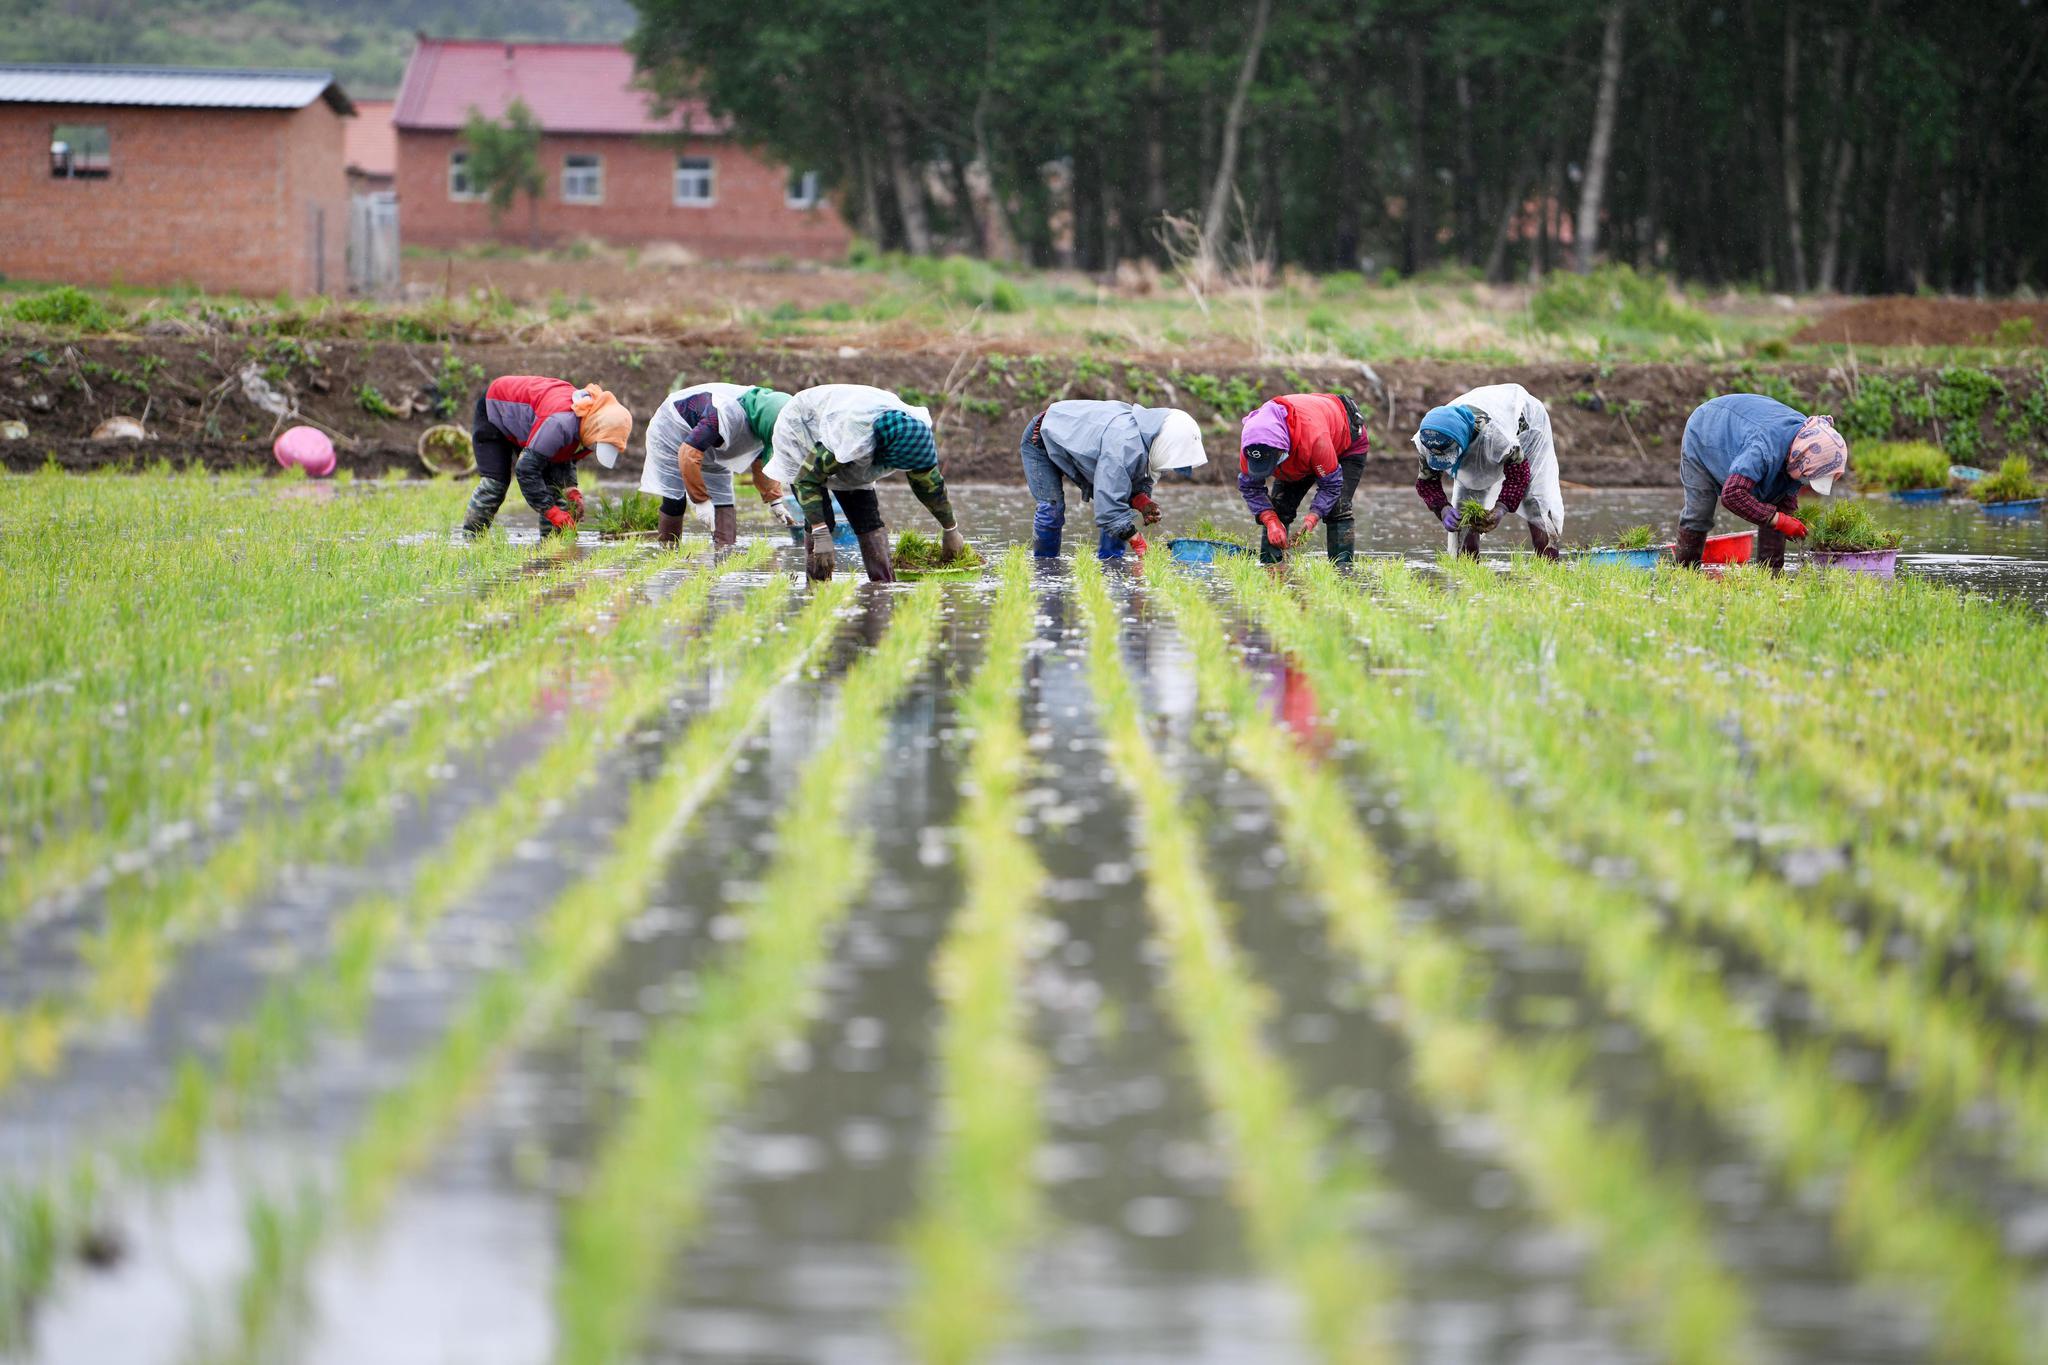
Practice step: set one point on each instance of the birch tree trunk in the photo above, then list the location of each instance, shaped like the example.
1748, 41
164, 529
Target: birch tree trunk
1155, 116
1601, 149
1233, 128
917, 236
1795, 231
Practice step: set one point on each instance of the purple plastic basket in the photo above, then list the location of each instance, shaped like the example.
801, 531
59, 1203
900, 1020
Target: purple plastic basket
1876, 563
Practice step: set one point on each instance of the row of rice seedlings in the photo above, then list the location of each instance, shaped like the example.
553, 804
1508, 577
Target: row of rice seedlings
645, 1188
1960, 857
572, 940
1652, 1248
1959, 875
1895, 1222
1585, 775
981, 1202
263, 720
149, 919
1303, 1208
135, 627
298, 1008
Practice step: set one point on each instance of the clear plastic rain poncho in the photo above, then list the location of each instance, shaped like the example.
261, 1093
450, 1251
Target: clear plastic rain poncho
1508, 420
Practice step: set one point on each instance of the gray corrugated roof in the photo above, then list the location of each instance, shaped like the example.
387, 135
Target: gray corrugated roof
179, 87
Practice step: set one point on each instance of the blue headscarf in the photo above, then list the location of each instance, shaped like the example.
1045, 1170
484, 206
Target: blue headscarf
1454, 423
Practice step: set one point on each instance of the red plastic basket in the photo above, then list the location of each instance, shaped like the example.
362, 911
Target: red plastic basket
1733, 547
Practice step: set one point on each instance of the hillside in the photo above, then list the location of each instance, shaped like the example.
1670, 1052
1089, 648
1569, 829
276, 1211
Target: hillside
365, 42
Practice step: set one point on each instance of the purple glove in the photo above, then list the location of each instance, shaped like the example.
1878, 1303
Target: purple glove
1450, 516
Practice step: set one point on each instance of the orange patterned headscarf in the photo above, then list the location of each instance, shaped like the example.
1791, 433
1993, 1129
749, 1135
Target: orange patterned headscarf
604, 419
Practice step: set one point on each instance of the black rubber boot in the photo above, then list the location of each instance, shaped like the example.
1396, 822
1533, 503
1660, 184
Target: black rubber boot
484, 505
1341, 535
874, 555
725, 527
1690, 549
1770, 548
1469, 547
1541, 543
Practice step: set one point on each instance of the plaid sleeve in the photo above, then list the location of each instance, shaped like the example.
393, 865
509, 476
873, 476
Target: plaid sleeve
902, 442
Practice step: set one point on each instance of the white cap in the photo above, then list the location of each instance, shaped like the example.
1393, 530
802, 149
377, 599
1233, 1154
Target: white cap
607, 453
1178, 444
1823, 484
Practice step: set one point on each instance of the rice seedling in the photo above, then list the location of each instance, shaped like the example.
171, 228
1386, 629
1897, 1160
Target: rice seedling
917, 556
630, 513
981, 1199
1471, 515
2012, 481
579, 931
1898, 466
1653, 1250
1302, 1208
1635, 538
1840, 524
645, 1189
1893, 1221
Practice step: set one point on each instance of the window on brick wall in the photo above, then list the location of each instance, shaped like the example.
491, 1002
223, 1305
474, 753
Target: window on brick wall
696, 181
460, 186
802, 192
583, 178
81, 151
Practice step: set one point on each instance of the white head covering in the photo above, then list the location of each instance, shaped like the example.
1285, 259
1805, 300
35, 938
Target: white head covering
1178, 444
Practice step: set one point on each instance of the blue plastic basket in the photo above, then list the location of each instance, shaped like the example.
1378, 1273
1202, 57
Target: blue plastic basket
1635, 559
1919, 495
2023, 507
1189, 550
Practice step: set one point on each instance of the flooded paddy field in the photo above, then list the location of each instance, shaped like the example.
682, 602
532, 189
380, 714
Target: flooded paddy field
425, 952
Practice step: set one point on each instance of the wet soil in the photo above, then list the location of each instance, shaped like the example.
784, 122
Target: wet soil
1616, 425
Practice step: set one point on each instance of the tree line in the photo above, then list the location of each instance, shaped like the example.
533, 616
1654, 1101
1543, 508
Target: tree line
1863, 145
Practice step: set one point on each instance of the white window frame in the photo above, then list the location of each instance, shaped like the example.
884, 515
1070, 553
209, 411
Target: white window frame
706, 166
594, 169
806, 196
458, 165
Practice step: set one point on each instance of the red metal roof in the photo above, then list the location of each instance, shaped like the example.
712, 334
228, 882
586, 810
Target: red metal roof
570, 87
369, 145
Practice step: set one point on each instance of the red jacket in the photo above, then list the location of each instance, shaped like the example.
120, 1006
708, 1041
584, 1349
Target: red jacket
1318, 434
536, 412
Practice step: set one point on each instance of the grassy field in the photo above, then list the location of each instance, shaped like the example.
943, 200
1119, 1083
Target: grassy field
1613, 894
596, 293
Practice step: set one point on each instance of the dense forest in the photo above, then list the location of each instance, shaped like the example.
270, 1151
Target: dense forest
1857, 144
364, 42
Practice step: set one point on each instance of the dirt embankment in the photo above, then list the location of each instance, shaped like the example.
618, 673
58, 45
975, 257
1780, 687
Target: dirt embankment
1907, 321
1619, 425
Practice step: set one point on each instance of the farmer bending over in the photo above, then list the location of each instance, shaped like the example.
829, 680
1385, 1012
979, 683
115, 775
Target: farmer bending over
1111, 451
833, 442
535, 430
730, 424
1302, 441
1752, 454
1492, 446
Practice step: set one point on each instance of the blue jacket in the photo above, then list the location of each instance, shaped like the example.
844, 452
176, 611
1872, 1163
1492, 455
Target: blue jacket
1747, 434
1103, 445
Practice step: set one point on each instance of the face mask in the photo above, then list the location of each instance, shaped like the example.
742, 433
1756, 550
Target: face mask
1442, 459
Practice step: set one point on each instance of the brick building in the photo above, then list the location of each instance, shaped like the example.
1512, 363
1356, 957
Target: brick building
227, 180
615, 171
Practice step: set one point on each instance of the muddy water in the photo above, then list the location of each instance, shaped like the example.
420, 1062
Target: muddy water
797, 1254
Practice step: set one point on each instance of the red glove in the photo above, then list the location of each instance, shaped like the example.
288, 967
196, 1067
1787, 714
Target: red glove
575, 498
1144, 504
1276, 534
1308, 526
1138, 546
1789, 526
559, 518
